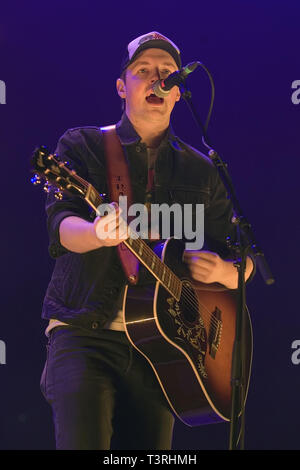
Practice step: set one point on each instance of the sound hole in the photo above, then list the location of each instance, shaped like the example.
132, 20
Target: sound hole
188, 303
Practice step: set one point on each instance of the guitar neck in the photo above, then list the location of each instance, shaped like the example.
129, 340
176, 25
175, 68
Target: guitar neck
155, 266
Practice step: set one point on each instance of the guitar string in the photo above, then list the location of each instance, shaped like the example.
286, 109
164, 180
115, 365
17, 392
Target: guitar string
188, 297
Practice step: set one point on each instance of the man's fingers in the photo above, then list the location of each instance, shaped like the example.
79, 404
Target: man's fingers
123, 232
111, 226
199, 263
201, 259
199, 254
202, 270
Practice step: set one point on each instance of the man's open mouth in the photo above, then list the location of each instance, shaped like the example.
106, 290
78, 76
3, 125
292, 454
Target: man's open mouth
153, 99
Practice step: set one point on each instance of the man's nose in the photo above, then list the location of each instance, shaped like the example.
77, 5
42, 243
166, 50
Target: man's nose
155, 76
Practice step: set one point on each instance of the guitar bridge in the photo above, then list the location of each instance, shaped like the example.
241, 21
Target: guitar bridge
215, 332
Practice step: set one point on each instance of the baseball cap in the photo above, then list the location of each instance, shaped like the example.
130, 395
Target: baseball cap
147, 41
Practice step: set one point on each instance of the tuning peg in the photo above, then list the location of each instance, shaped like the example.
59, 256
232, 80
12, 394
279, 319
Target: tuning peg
58, 194
47, 187
36, 179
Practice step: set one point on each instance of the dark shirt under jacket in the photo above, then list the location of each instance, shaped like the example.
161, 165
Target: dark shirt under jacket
84, 288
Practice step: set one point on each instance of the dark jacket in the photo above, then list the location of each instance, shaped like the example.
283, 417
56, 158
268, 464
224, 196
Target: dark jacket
84, 289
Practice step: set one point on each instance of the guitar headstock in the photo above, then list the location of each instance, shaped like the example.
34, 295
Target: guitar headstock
54, 172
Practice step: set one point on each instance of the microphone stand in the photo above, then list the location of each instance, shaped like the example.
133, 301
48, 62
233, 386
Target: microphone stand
245, 242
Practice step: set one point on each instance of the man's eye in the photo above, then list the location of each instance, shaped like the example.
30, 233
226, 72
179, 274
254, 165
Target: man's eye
165, 72
142, 70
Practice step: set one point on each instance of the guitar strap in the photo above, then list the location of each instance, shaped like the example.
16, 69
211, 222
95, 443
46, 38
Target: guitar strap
119, 184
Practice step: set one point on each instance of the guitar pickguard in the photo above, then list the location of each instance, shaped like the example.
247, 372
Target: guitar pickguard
190, 332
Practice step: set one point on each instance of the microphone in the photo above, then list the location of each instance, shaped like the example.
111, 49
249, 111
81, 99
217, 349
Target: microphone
162, 88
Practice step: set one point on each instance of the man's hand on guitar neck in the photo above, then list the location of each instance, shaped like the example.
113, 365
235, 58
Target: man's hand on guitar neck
209, 267
80, 236
111, 229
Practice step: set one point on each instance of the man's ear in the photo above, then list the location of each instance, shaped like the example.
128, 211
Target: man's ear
121, 88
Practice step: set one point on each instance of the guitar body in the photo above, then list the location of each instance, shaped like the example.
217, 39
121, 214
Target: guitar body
188, 343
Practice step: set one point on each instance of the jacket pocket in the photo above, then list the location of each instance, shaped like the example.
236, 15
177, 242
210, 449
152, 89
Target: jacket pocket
189, 195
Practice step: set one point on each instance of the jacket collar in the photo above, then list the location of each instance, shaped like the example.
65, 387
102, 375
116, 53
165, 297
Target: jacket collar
128, 135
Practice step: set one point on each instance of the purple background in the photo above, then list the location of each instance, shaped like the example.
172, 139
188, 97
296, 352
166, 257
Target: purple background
59, 61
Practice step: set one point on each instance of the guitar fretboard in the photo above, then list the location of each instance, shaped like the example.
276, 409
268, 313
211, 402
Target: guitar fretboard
154, 264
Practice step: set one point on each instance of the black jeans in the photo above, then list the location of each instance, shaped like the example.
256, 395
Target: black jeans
103, 393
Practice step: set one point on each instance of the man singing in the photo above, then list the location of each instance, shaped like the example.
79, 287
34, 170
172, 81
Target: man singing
103, 392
